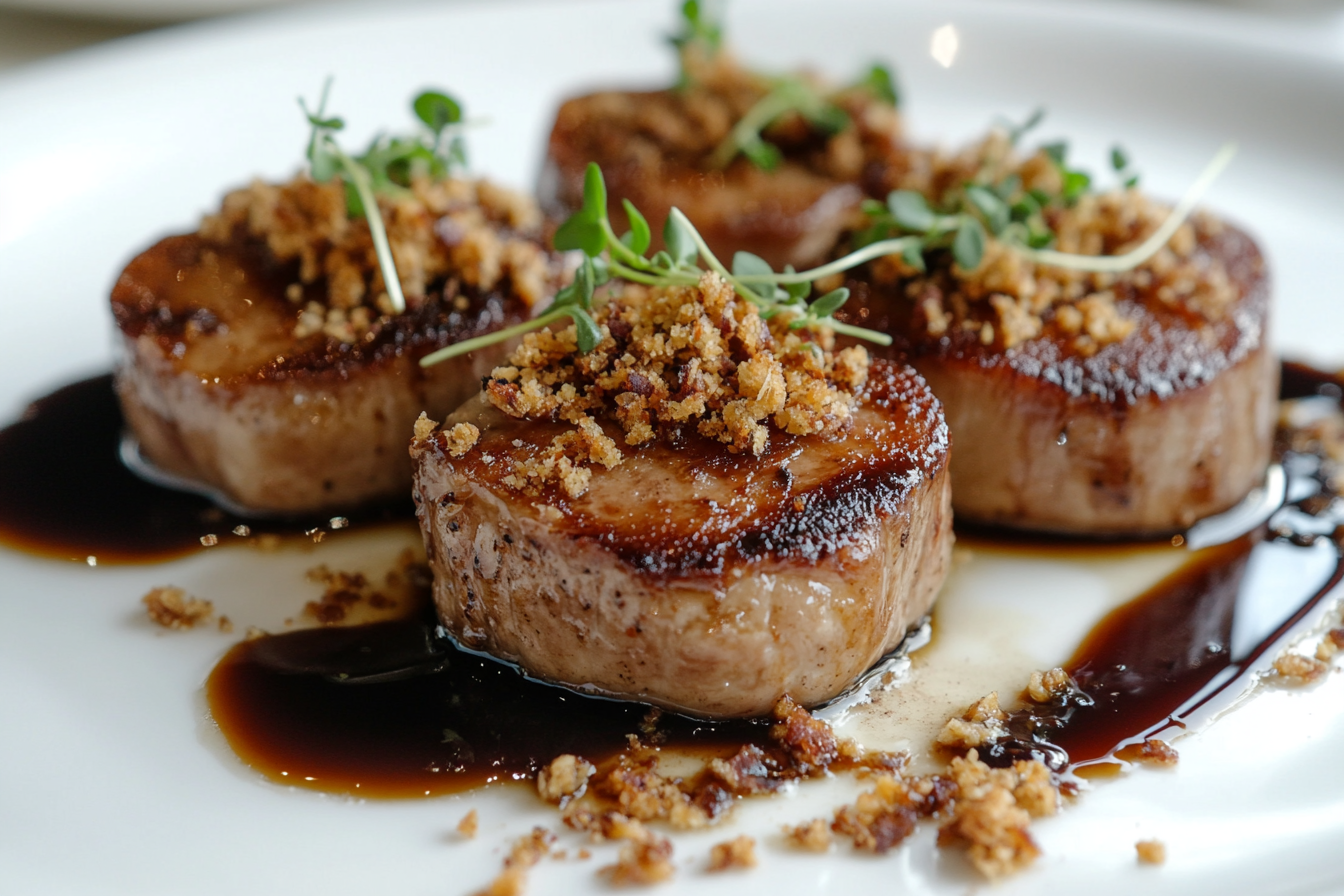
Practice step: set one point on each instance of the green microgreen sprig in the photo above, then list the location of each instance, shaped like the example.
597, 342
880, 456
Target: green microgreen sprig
626, 257
387, 166
776, 292
701, 35
792, 94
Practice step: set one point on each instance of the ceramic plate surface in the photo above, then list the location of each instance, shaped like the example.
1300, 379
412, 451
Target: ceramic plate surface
112, 778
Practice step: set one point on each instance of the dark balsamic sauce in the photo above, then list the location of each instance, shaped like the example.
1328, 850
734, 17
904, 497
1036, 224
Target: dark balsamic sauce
280, 704
65, 492
1156, 662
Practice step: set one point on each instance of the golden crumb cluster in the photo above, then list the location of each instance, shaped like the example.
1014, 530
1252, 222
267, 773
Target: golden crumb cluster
696, 358
473, 232
1008, 300
173, 608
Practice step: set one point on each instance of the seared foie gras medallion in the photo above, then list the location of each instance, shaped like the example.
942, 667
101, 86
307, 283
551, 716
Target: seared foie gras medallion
264, 360
1127, 403
775, 166
706, 512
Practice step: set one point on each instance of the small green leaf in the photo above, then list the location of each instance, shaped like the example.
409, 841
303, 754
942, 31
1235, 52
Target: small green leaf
829, 303
601, 271
639, 235
322, 163
437, 110
747, 265
1119, 161
969, 245
680, 245
588, 332
580, 233
913, 255
1056, 151
881, 84
1075, 184
825, 117
1131, 182
872, 207
797, 291
594, 194
986, 202
662, 260
911, 210
764, 156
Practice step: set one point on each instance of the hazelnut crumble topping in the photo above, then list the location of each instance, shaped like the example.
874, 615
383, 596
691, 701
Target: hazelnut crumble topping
673, 359
474, 231
469, 824
1009, 299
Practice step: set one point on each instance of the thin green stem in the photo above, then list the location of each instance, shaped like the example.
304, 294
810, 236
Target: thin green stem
1114, 264
616, 247
858, 332
359, 179
840, 265
710, 258
470, 345
670, 278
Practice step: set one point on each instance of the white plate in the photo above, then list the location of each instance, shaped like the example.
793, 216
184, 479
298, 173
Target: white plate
111, 778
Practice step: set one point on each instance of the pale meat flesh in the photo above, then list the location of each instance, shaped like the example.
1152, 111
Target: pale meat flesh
691, 578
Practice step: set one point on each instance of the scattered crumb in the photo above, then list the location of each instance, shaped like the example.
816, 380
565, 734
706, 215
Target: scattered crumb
242, 531
585, 853
253, 633
526, 852
343, 592
1293, 669
1151, 852
982, 723
461, 438
1150, 752
469, 824
643, 862
226, 625
1046, 686
424, 427
173, 608
813, 836
209, 541
564, 779
737, 853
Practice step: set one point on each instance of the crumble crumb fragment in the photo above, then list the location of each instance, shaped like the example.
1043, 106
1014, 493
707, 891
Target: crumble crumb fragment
1150, 752
737, 853
424, 427
812, 836
461, 438
982, 723
642, 862
469, 824
565, 778
1151, 852
1294, 670
993, 810
225, 625
526, 852
1046, 686
173, 608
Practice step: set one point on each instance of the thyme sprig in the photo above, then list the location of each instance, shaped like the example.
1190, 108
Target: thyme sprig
387, 166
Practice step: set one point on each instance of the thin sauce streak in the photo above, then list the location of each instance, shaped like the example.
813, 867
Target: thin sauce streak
67, 494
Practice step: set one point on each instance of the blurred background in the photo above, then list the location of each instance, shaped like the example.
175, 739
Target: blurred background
33, 29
